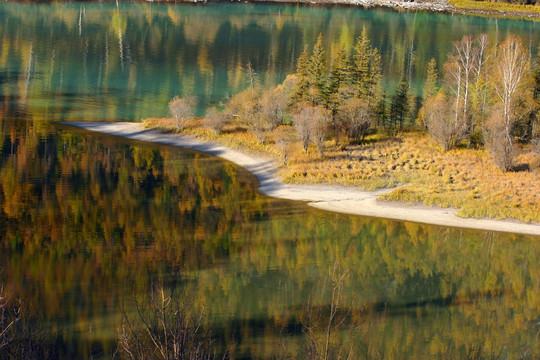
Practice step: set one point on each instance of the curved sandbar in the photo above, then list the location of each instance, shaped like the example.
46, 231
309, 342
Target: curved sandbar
333, 198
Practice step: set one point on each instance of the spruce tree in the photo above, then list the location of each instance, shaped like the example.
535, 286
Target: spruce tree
302, 71
381, 113
400, 104
362, 59
317, 63
339, 77
316, 67
367, 69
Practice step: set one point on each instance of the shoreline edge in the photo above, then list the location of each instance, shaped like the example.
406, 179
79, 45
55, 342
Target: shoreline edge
339, 199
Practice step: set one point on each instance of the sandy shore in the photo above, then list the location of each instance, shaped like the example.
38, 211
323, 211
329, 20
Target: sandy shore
333, 198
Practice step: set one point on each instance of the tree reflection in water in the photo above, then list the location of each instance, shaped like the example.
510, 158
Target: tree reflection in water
87, 218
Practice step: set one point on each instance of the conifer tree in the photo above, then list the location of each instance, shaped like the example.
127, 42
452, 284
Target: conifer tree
339, 77
336, 93
302, 68
400, 104
367, 69
317, 63
362, 64
315, 70
381, 112
339, 73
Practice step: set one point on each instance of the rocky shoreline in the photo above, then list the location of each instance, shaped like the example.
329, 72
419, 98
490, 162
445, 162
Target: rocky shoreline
436, 5
422, 5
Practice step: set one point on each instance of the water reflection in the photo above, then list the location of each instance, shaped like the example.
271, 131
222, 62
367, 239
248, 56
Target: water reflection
95, 61
87, 218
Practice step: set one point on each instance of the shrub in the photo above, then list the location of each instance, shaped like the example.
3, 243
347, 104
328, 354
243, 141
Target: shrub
357, 117
216, 120
500, 146
445, 128
182, 109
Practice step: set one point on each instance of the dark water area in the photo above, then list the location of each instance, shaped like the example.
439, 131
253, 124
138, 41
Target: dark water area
88, 219
89, 222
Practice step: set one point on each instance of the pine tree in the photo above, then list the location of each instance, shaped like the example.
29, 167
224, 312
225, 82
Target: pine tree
316, 67
317, 63
339, 77
302, 71
362, 59
367, 69
432, 76
381, 113
400, 104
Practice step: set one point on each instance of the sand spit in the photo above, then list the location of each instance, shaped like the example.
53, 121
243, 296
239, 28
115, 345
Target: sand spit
333, 198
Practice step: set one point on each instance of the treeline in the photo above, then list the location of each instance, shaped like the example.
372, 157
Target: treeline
485, 95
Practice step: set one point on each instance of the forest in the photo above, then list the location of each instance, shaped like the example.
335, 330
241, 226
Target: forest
483, 96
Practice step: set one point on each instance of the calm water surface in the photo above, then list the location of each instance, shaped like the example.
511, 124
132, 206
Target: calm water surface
98, 62
87, 220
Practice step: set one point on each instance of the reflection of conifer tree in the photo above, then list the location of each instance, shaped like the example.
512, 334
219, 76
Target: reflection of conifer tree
432, 76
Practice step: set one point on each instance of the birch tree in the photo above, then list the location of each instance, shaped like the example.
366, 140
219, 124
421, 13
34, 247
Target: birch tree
511, 68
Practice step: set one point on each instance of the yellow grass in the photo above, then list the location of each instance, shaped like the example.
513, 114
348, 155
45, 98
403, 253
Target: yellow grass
463, 179
496, 6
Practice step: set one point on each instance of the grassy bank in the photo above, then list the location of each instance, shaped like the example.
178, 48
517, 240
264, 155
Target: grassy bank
464, 179
497, 7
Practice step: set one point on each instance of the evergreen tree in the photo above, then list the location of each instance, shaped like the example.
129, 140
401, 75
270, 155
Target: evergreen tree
367, 69
316, 79
302, 71
362, 64
432, 76
381, 113
339, 73
317, 64
400, 104
339, 77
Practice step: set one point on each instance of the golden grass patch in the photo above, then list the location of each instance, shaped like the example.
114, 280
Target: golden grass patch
496, 7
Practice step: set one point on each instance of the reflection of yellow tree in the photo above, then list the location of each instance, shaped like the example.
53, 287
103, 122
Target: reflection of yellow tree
115, 213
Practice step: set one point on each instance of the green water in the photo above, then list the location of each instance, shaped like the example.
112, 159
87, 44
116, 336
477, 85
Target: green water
87, 220
91, 61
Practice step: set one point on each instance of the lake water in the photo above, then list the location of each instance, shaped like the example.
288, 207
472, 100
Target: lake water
89, 61
89, 221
